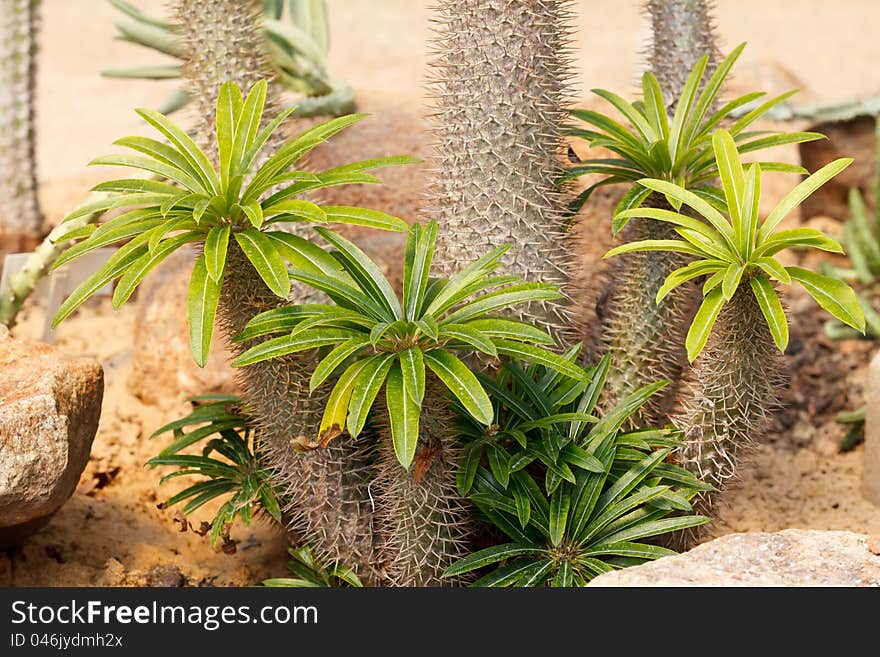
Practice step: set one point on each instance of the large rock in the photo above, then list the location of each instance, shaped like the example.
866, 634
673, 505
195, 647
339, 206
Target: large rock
50, 404
162, 364
793, 557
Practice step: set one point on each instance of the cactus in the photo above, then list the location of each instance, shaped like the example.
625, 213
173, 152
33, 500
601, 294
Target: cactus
728, 397
20, 217
645, 340
501, 70
325, 490
295, 35
681, 34
425, 524
411, 347
682, 31
220, 42
740, 327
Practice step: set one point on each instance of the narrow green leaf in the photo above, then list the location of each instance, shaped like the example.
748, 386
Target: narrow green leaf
286, 344
143, 265
833, 295
367, 385
403, 414
202, 300
462, 383
796, 196
262, 254
363, 217
489, 556
336, 411
216, 244
772, 310
733, 181
540, 356
115, 267
412, 366
334, 359
732, 277
703, 322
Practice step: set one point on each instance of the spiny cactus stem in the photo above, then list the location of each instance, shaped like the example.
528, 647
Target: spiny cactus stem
500, 74
682, 31
425, 525
728, 396
645, 339
327, 488
20, 214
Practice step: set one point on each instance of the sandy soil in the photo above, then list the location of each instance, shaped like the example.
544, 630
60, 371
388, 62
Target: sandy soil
112, 531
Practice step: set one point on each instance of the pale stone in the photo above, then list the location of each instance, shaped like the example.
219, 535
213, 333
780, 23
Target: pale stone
793, 557
50, 404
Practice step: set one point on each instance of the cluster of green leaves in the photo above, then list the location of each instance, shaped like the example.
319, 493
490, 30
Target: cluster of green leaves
202, 205
379, 340
228, 465
574, 494
297, 41
311, 572
733, 246
677, 148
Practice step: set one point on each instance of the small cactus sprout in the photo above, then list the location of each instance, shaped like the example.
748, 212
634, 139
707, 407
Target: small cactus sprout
675, 146
740, 328
573, 494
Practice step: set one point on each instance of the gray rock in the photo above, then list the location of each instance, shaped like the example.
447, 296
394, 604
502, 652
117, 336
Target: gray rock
50, 404
793, 557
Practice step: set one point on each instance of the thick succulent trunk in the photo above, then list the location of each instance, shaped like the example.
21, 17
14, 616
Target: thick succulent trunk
728, 396
326, 489
424, 524
500, 82
20, 217
221, 43
682, 32
645, 339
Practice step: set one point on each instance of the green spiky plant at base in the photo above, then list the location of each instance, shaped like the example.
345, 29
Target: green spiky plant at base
408, 348
20, 217
233, 212
501, 70
741, 326
572, 493
645, 340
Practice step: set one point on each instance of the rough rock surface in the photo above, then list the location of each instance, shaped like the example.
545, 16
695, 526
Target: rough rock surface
50, 404
792, 557
162, 365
